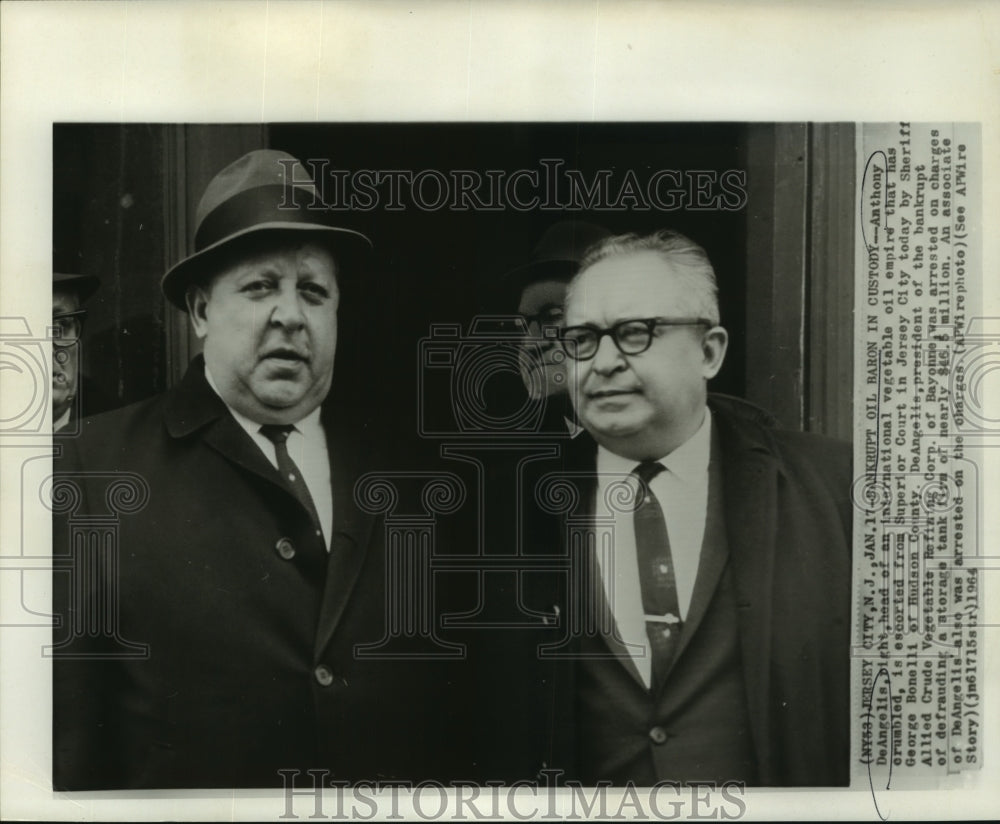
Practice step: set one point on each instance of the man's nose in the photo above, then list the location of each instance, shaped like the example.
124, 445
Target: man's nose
608, 357
288, 310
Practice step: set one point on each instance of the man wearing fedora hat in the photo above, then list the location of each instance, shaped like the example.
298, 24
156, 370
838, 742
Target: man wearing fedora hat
513, 681
246, 575
537, 288
73, 396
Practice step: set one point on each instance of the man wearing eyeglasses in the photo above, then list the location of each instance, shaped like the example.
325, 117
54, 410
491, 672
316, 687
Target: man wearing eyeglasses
70, 400
510, 675
726, 588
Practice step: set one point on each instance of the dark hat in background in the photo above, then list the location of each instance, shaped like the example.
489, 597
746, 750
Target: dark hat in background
263, 191
82, 285
557, 254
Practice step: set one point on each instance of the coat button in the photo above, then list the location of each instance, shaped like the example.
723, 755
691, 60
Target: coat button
285, 548
323, 675
658, 735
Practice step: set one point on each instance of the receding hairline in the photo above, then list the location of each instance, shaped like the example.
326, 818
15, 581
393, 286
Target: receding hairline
683, 259
672, 270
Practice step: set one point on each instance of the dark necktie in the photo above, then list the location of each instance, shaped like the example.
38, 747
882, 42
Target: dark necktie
656, 574
278, 435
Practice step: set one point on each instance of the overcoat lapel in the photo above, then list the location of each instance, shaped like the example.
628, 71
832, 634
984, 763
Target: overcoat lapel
351, 537
750, 479
231, 440
194, 406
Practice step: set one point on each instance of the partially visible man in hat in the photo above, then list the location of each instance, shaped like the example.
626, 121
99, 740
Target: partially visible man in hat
221, 638
537, 289
73, 397
512, 679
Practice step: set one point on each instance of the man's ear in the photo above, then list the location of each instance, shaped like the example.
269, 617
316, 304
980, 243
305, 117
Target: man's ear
196, 298
713, 347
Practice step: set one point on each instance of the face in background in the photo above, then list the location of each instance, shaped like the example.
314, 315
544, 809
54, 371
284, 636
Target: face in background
642, 406
65, 359
543, 362
269, 322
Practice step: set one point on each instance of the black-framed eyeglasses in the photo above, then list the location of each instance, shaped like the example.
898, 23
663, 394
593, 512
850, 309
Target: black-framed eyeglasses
632, 337
67, 327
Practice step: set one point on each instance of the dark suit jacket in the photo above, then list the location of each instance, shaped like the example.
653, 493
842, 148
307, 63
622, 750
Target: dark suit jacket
90, 400
788, 527
204, 559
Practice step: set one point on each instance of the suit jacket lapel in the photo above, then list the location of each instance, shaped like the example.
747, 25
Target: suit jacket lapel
714, 551
750, 476
607, 625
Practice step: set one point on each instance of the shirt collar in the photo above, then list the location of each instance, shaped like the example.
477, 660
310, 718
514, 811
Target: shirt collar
63, 419
307, 426
689, 461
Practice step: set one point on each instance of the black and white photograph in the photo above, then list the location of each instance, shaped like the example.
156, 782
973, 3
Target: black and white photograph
436, 336
546, 463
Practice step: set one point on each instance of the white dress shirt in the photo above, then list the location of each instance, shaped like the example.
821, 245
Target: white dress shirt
307, 447
63, 420
682, 490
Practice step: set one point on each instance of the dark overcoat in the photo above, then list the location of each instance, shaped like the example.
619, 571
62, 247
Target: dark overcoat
206, 639
788, 522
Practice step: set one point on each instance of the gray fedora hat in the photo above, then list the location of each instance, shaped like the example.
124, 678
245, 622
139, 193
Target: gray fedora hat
264, 191
83, 285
